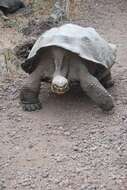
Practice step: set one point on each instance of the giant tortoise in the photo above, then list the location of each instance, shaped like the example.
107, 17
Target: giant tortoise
65, 55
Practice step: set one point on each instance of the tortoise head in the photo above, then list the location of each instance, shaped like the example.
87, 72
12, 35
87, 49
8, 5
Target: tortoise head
59, 85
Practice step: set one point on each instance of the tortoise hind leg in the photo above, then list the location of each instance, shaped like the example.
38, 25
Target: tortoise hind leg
30, 92
107, 81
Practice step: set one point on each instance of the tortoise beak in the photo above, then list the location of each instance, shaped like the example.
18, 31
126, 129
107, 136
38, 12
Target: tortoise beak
59, 90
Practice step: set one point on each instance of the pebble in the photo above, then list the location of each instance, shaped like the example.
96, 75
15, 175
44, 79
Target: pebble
45, 174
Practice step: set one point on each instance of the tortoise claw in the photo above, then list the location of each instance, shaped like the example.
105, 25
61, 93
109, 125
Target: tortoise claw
107, 107
108, 84
31, 106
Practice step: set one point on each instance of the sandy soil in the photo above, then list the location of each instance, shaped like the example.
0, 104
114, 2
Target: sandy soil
69, 144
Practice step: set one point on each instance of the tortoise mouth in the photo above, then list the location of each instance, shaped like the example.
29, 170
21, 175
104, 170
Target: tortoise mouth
59, 90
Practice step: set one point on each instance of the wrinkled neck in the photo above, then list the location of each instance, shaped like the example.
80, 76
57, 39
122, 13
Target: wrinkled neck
59, 57
61, 69
57, 71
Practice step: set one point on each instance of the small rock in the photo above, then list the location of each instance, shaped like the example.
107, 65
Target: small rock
74, 157
77, 149
45, 174
67, 133
30, 146
59, 159
57, 181
89, 187
65, 183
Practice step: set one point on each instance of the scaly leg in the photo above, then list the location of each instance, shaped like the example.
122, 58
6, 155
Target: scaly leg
30, 91
94, 89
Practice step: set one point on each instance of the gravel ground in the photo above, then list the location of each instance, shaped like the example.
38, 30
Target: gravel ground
70, 144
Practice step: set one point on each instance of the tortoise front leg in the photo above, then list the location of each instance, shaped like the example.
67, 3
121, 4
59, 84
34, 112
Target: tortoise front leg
30, 92
95, 90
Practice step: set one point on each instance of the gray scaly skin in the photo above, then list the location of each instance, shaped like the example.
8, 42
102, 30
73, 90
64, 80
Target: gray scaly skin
95, 90
30, 91
64, 69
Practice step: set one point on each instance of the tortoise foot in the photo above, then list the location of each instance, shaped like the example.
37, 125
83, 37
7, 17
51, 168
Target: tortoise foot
107, 104
108, 84
31, 106
29, 100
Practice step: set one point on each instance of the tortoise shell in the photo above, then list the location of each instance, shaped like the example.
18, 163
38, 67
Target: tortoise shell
84, 41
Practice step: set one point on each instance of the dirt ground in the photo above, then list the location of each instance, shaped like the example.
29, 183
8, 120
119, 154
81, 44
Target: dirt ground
70, 144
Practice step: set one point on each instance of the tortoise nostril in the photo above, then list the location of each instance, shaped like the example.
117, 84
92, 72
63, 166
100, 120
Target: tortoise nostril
60, 87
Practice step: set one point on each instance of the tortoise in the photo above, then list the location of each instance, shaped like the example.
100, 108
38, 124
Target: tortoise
10, 6
66, 55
